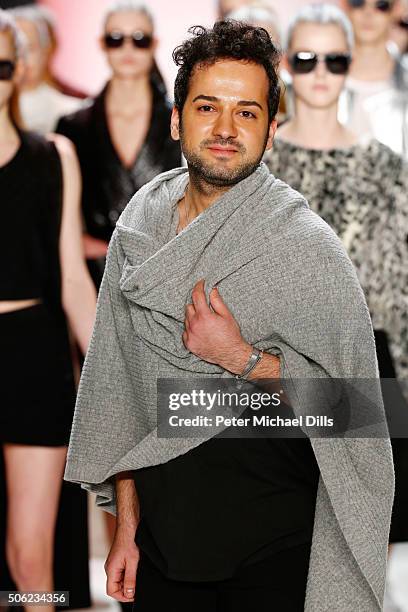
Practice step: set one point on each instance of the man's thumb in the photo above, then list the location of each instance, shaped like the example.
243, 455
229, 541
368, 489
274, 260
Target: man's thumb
129, 579
218, 303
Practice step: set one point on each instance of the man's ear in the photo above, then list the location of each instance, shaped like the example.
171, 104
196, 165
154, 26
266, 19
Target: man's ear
271, 135
175, 124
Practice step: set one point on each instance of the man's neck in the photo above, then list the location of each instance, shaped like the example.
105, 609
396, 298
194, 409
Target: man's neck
201, 195
372, 62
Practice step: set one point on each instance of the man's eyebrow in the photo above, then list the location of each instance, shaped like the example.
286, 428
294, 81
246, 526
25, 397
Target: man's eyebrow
207, 98
249, 103
215, 99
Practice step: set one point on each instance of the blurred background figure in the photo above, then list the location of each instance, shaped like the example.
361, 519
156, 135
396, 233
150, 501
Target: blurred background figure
260, 14
359, 189
227, 6
375, 102
44, 284
123, 137
51, 78
263, 15
399, 30
42, 101
354, 187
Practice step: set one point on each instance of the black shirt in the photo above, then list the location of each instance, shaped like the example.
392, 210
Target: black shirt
226, 503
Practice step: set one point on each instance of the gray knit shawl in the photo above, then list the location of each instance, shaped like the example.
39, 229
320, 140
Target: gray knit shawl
292, 288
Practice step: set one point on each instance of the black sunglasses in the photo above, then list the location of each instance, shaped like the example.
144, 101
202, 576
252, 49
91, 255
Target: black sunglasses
140, 40
381, 5
304, 62
7, 68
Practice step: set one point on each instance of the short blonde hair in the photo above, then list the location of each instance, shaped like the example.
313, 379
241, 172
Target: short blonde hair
128, 6
9, 26
322, 14
255, 13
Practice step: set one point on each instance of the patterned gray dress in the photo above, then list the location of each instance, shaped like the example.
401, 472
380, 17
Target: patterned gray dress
362, 193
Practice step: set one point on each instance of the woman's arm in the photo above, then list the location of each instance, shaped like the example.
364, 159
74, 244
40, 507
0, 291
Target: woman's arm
78, 292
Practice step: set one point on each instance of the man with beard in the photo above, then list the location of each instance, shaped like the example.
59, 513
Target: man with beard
221, 271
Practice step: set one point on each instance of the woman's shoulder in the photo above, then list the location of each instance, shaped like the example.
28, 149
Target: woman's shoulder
37, 147
360, 158
382, 155
283, 149
40, 167
80, 120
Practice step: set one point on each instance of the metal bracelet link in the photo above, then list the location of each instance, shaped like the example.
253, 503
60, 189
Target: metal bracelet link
254, 359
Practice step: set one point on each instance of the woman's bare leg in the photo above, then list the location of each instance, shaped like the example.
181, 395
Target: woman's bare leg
33, 477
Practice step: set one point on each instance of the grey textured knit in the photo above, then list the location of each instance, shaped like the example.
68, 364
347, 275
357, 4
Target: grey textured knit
292, 288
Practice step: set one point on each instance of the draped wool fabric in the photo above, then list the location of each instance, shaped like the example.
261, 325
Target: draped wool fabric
289, 283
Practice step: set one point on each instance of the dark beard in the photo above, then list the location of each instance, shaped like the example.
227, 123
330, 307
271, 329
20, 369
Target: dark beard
213, 174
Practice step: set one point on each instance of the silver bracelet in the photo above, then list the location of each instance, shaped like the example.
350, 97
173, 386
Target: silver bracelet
254, 359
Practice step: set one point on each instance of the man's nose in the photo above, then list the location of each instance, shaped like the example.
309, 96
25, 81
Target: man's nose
225, 126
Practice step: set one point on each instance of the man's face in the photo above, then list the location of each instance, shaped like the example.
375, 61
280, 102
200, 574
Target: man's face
225, 124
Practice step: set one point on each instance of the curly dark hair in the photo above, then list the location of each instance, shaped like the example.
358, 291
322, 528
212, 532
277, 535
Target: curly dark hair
228, 39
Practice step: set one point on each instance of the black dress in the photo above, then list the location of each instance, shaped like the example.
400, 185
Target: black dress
107, 184
37, 383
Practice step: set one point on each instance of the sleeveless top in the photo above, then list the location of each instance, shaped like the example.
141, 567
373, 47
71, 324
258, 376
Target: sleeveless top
31, 199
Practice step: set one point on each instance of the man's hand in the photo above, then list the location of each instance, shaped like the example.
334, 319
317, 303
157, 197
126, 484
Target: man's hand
121, 566
212, 333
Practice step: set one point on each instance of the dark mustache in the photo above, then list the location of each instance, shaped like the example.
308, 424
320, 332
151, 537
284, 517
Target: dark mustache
224, 142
